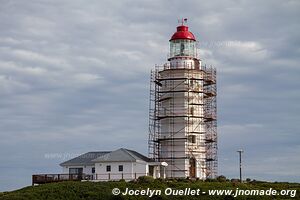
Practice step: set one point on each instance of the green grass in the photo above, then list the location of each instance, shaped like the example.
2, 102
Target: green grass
102, 190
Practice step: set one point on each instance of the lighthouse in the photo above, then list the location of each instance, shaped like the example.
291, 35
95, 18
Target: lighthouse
183, 111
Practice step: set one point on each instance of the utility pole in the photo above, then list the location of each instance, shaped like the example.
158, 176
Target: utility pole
240, 154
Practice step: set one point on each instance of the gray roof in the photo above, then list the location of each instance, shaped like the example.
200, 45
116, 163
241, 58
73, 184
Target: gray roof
122, 155
85, 159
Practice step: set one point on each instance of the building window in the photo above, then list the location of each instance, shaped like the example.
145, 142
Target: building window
108, 168
93, 170
120, 168
75, 170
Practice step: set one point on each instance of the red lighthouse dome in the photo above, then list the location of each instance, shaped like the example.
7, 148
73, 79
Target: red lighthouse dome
183, 33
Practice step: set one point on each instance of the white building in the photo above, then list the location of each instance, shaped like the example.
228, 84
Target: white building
115, 165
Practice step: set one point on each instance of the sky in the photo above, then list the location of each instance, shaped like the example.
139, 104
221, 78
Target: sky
74, 77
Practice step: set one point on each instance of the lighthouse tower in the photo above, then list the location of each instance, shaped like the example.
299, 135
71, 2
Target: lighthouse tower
183, 126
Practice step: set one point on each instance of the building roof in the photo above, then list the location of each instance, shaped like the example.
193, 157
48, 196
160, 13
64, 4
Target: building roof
85, 159
122, 155
183, 33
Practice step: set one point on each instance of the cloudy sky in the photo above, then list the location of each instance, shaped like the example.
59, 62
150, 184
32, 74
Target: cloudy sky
74, 77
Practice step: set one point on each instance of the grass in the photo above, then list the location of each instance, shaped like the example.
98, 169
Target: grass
103, 190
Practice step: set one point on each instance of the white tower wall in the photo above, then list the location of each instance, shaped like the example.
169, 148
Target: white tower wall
181, 112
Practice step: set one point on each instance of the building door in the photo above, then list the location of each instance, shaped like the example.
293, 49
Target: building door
76, 173
151, 171
192, 167
80, 172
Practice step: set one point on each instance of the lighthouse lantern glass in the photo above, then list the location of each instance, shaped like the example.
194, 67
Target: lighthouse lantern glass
182, 47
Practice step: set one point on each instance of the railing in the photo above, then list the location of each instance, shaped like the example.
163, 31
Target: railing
209, 70
49, 178
180, 65
118, 176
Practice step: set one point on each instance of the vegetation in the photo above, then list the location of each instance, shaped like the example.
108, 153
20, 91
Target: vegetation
103, 190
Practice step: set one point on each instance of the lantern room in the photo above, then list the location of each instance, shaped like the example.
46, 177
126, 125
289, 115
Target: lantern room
183, 43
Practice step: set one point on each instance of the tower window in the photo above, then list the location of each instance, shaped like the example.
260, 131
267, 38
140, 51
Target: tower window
120, 168
108, 168
192, 110
192, 138
192, 83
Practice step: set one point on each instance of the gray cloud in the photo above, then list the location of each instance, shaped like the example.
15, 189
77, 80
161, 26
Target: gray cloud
74, 77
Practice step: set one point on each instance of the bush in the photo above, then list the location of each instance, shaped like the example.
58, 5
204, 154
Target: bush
160, 180
254, 181
221, 178
77, 190
145, 179
211, 180
185, 180
234, 180
171, 179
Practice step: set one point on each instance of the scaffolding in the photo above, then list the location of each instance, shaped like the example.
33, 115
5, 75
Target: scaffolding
183, 118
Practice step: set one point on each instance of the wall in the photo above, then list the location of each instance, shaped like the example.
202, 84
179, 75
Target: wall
87, 169
129, 170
